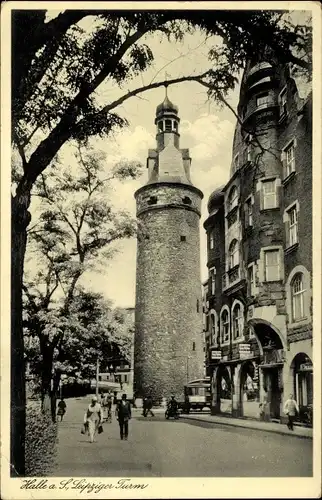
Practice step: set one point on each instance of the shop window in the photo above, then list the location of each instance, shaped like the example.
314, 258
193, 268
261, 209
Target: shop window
233, 254
272, 265
298, 297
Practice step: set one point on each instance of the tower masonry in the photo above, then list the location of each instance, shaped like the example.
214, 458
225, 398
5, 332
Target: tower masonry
168, 314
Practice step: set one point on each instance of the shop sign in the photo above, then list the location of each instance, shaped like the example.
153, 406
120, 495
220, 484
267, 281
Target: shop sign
306, 367
244, 351
215, 355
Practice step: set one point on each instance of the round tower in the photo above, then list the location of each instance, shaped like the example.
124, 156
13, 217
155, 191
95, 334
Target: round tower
168, 349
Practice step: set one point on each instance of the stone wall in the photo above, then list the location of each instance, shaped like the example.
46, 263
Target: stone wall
168, 336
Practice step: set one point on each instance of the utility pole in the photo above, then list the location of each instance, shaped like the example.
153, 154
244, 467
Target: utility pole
97, 375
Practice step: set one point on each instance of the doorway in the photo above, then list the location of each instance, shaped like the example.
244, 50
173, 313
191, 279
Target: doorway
273, 391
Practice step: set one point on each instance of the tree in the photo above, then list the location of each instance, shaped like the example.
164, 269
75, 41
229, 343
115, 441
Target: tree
57, 69
75, 228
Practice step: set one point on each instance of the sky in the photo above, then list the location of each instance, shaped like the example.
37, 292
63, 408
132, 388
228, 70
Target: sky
205, 128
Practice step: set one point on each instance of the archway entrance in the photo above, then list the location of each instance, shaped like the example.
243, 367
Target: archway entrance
224, 388
273, 358
302, 371
249, 389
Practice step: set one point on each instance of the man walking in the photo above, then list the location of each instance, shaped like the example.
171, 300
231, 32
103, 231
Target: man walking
123, 415
290, 409
148, 408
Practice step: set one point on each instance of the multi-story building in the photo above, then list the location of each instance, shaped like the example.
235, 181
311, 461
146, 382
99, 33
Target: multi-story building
259, 293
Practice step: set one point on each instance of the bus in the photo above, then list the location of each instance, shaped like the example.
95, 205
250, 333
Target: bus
197, 394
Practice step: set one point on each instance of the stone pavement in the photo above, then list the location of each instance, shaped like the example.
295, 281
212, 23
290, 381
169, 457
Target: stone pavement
299, 431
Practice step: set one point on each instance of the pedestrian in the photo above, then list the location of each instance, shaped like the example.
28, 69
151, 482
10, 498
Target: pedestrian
93, 418
108, 404
149, 404
61, 409
145, 401
290, 409
123, 415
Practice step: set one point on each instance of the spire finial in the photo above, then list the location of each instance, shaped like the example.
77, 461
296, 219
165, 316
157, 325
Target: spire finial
166, 83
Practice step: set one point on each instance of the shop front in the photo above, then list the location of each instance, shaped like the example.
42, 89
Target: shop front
302, 368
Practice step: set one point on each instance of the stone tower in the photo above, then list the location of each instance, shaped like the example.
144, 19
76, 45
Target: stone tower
168, 315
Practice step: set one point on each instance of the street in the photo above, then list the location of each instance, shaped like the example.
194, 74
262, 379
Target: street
168, 448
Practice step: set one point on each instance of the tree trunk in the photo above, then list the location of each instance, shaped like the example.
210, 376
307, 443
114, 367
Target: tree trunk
20, 219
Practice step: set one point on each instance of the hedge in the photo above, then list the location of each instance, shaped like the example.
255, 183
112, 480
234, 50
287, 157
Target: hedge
41, 442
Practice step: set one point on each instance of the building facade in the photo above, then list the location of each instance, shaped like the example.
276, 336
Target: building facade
168, 347
259, 229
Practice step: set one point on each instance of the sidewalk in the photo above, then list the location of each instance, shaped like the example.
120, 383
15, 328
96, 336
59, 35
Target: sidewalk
299, 431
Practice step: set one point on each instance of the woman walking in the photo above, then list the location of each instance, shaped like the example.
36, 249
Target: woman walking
290, 409
93, 418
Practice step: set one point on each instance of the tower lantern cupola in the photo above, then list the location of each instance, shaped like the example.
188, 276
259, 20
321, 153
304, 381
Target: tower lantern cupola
167, 122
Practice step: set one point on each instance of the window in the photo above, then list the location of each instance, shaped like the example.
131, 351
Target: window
289, 159
197, 305
224, 326
292, 226
211, 240
248, 212
297, 292
213, 328
160, 126
237, 321
168, 126
152, 200
183, 238
251, 279
262, 99
175, 126
283, 102
186, 200
272, 265
232, 198
233, 254
236, 162
269, 194
193, 346
212, 280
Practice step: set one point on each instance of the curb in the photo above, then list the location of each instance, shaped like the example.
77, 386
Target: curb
276, 431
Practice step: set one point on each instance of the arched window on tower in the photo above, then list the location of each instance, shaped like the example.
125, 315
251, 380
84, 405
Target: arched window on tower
168, 126
160, 126
175, 126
